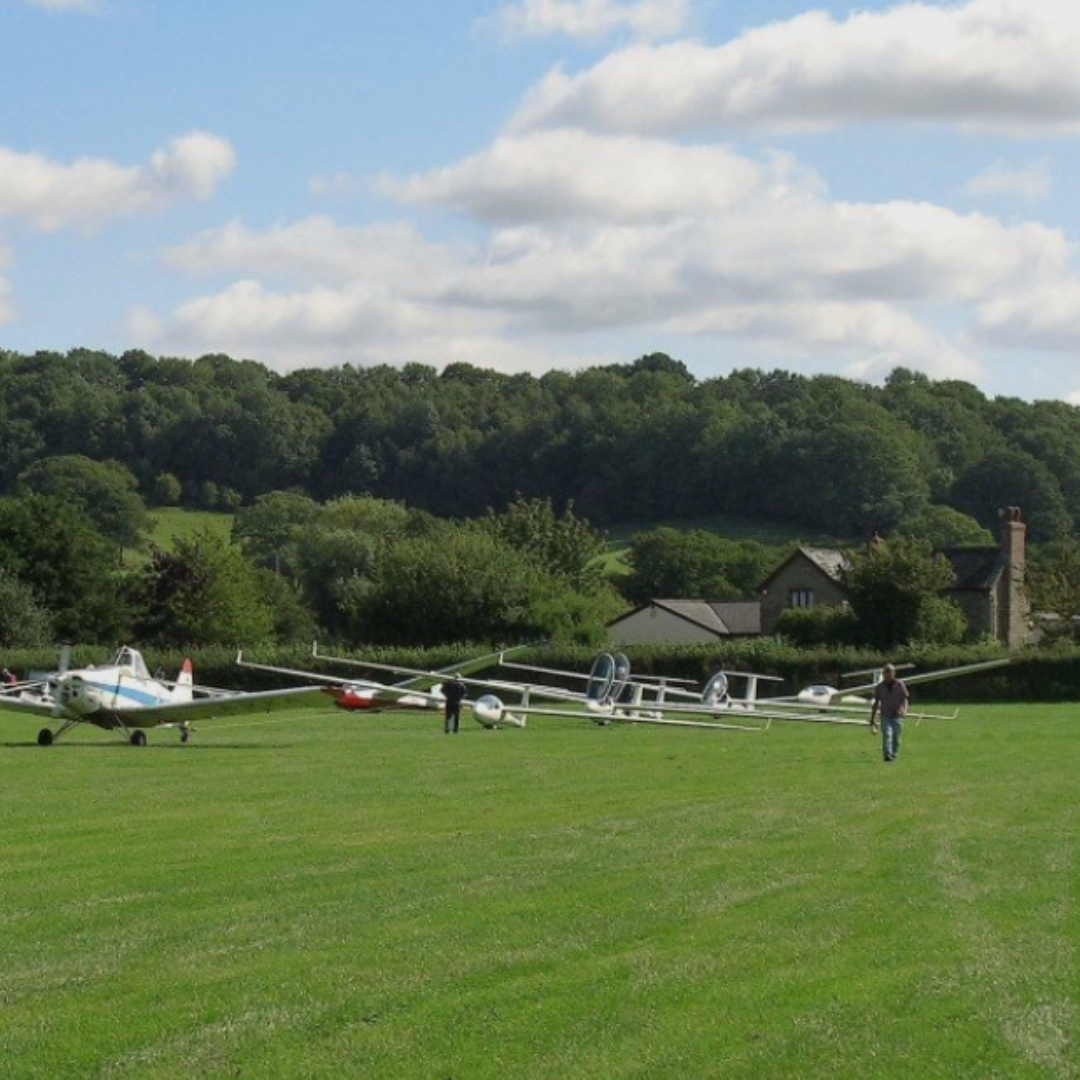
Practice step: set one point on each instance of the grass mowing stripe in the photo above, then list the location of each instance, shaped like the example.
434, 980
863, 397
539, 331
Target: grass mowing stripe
366, 896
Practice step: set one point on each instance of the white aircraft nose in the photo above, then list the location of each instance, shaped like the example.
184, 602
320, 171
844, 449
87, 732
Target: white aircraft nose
488, 710
72, 695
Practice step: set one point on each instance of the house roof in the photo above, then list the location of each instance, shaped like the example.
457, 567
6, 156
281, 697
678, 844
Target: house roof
977, 569
830, 561
722, 619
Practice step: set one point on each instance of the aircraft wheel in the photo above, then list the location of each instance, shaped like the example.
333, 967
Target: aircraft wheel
138, 738
44, 737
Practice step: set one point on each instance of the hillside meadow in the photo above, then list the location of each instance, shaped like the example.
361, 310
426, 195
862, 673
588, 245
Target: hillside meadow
351, 896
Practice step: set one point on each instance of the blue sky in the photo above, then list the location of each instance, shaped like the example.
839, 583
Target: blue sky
548, 183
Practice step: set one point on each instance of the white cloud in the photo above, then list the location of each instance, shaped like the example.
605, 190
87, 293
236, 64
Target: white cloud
317, 250
1030, 182
87, 192
1045, 318
593, 18
592, 235
1001, 65
559, 175
360, 322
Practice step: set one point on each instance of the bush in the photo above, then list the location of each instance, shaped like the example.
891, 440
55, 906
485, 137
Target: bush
822, 626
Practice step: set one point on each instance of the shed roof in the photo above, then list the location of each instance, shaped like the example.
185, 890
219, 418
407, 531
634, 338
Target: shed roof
725, 619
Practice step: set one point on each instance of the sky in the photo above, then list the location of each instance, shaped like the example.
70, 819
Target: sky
538, 184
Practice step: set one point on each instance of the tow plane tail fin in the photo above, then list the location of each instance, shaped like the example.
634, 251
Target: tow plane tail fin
184, 682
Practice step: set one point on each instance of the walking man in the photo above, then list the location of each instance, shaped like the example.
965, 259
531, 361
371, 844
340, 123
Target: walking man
454, 694
891, 700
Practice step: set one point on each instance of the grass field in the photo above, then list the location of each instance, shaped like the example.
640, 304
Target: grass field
364, 897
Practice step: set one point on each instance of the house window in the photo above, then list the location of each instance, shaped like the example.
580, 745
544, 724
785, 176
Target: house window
803, 598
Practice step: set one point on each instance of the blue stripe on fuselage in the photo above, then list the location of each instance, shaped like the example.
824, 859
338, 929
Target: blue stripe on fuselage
128, 693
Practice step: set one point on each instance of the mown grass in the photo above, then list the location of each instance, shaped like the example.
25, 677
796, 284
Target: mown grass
366, 897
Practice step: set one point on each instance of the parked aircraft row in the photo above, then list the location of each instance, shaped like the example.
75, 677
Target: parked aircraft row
610, 694
123, 696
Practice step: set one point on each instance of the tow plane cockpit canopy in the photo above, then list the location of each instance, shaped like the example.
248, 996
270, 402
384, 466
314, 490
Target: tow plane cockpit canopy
131, 662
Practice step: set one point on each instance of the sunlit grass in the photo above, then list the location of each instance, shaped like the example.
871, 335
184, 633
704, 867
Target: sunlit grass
172, 522
365, 897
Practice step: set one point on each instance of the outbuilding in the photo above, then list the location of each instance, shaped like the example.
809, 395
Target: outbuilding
686, 622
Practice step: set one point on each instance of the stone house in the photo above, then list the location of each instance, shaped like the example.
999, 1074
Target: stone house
990, 583
809, 577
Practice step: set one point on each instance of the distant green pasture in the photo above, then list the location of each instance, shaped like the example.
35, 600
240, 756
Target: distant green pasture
174, 522
364, 897
729, 526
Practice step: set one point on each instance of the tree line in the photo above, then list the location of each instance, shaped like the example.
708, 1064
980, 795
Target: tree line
644, 441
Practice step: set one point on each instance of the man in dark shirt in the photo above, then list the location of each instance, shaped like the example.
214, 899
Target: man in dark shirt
454, 694
891, 699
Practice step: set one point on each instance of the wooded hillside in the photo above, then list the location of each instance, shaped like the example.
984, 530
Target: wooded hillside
644, 441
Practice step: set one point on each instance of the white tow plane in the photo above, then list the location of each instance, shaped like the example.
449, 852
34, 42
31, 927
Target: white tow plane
123, 696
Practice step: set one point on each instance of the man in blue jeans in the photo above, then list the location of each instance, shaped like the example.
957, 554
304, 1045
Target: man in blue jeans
891, 700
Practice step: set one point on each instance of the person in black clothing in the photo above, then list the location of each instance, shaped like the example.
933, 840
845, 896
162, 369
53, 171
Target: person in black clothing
454, 693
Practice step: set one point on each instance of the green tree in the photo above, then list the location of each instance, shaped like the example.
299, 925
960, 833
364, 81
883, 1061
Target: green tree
894, 590
202, 593
1013, 478
24, 623
331, 566
105, 491
293, 619
69, 567
166, 490
268, 529
1053, 579
942, 526
561, 544
467, 585
669, 563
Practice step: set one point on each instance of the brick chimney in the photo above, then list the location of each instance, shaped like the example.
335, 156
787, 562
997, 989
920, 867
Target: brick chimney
1015, 607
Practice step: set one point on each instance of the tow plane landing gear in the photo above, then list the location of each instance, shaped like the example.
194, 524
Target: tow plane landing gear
46, 736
